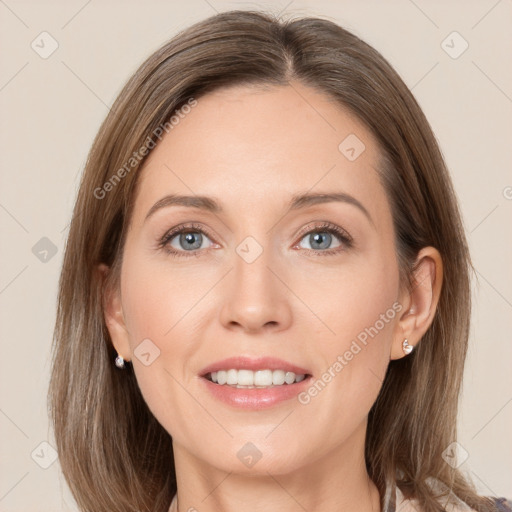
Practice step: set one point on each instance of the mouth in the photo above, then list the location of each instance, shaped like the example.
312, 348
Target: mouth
254, 383
259, 379
244, 372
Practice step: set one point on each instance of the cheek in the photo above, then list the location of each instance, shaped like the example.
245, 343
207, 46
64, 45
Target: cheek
167, 302
160, 305
351, 297
359, 311
159, 298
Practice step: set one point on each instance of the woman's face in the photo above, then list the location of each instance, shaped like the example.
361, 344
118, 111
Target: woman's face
261, 276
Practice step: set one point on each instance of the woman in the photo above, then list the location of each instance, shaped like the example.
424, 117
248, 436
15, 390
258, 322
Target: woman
265, 296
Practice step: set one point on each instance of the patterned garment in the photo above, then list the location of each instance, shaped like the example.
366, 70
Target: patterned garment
394, 501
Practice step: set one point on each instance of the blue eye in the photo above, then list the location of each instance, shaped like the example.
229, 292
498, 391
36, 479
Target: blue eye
187, 240
320, 239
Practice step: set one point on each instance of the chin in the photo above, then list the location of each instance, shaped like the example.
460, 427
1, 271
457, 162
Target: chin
256, 458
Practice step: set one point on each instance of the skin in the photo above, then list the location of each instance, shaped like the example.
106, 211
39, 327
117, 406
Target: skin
252, 149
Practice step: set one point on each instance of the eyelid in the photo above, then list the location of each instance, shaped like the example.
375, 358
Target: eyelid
190, 226
163, 241
318, 225
345, 238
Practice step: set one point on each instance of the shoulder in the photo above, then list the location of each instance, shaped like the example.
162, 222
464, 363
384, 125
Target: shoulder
502, 504
449, 503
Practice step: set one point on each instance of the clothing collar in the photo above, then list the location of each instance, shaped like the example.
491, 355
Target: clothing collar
394, 500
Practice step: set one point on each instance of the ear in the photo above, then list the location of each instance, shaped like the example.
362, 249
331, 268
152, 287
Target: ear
420, 302
113, 313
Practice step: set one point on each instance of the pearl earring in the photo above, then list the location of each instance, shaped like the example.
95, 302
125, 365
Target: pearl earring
406, 347
120, 362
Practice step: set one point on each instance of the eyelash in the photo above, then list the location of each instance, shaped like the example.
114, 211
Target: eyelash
325, 227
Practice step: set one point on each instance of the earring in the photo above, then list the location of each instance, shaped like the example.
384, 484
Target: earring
406, 347
120, 362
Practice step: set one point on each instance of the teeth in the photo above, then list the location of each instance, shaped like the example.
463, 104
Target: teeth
257, 379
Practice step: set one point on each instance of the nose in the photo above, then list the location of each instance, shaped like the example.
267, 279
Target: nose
256, 298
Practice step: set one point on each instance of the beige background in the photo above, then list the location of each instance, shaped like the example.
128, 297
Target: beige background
51, 109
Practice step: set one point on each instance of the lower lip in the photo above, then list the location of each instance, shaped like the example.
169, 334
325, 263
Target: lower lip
255, 398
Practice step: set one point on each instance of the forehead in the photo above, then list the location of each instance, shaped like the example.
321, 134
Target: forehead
250, 146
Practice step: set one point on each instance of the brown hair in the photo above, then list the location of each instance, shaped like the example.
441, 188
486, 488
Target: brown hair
113, 452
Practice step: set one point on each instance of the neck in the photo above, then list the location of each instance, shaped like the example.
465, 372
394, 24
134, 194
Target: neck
335, 481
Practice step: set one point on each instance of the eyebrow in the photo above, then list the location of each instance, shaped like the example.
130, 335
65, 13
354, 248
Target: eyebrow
298, 202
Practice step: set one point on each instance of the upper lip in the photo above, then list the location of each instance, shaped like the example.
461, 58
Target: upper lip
253, 363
